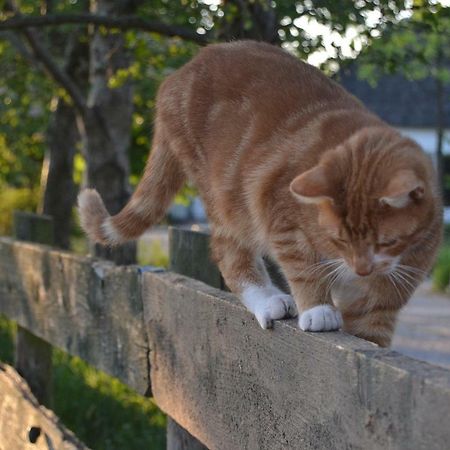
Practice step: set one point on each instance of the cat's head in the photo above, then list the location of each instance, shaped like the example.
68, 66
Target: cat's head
374, 198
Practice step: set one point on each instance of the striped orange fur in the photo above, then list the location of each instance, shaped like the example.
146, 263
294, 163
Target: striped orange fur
289, 165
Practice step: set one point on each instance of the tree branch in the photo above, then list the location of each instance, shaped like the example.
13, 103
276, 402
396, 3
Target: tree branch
41, 53
59, 75
122, 23
17, 42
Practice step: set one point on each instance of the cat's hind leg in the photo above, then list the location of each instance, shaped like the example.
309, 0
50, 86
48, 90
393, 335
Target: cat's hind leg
245, 274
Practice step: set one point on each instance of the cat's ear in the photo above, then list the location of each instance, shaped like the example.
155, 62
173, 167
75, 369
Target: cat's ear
312, 186
402, 189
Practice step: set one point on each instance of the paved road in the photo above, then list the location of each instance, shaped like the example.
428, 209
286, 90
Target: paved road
423, 330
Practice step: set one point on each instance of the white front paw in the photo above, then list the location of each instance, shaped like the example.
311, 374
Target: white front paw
268, 304
275, 307
321, 318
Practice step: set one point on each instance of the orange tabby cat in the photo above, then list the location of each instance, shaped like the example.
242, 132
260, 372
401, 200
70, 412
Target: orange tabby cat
288, 165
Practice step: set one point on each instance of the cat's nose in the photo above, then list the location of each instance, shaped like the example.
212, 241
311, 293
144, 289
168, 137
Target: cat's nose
362, 267
363, 271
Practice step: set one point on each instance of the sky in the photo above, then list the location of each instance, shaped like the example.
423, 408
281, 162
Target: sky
314, 29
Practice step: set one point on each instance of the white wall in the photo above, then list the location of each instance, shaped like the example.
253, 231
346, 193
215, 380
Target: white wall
427, 138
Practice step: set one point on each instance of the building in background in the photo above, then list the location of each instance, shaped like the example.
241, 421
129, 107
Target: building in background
409, 106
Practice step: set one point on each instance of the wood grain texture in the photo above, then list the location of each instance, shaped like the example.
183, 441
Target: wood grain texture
220, 376
87, 307
24, 423
236, 386
33, 356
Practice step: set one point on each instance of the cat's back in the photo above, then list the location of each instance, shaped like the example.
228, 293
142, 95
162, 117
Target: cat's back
253, 70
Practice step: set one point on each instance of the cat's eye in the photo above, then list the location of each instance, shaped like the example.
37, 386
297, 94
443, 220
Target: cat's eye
341, 241
388, 243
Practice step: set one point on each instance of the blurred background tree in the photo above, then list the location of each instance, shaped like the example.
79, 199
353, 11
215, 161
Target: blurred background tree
417, 47
83, 79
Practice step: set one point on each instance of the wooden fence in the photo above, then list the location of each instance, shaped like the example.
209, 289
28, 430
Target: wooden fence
209, 365
24, 423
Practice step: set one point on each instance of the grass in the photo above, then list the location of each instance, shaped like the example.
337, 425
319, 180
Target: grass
7, 333
152, 254
104, 413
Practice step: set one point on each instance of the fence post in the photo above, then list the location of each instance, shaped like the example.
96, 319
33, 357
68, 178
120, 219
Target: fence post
189, 255
33, 356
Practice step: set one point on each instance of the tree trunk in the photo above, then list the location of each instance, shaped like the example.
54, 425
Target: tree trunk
57, 184
108, 122
57, 176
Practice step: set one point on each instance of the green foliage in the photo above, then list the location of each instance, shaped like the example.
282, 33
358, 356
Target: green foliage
15, 198
7, 335
100, 410
27, 94
417, 46
156, 57
152, 253
441, 271
24, 111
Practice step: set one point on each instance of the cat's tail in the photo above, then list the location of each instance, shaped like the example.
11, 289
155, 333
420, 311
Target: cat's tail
162, 179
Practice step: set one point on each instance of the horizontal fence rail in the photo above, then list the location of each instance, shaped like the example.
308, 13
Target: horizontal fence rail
211, 367
89, 308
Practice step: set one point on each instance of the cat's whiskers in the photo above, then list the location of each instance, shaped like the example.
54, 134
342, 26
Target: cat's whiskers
405, 282
393, 280
318, 269
411, 269
336, 275
412, 278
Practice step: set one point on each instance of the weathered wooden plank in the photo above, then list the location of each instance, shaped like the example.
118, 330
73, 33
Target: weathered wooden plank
235, 386
33, 356
189, 255
24, 423
89, 308
229, 383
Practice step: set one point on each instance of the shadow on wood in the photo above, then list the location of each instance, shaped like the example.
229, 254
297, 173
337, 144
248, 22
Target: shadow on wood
33, 356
